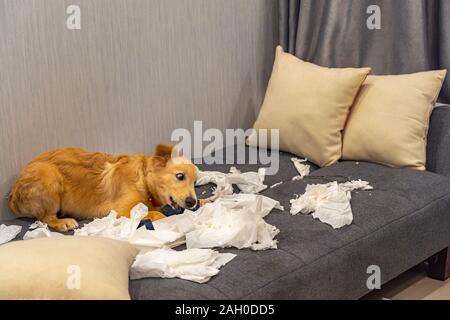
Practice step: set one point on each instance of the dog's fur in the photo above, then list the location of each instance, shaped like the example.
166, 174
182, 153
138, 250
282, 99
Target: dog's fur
89, 185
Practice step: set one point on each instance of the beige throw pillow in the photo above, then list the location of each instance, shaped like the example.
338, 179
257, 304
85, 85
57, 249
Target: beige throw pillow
309, 105
388, 122
50, 268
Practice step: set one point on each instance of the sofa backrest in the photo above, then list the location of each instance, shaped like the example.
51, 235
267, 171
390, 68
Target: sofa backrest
438, 143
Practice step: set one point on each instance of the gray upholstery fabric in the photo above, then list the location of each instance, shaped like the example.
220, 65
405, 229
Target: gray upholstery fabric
414, 35
397, 225
400, 223
438, 144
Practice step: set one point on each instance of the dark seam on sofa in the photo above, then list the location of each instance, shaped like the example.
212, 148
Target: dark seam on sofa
352, 242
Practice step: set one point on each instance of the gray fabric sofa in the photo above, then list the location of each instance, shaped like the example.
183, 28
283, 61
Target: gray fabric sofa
402, 222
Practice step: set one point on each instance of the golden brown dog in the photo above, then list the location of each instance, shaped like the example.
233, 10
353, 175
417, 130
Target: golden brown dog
88, 185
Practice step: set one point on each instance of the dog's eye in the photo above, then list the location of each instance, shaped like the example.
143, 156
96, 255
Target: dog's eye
180, 176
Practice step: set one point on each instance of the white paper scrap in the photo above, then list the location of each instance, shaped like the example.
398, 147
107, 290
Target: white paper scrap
302, 169
330, 202
197, 265
8, 233
247, 182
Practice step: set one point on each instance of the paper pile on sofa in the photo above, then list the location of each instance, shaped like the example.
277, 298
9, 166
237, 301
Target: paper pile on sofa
231, 221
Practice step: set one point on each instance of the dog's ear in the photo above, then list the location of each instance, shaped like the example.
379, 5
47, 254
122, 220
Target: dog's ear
164, 150
163, 153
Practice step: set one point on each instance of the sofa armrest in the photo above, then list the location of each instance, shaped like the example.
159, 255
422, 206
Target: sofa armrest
438, 143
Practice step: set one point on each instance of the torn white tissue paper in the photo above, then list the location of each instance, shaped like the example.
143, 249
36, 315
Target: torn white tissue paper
276, 184
223, 187
126, 229
356, 185
8, 233
329, 202
247, 182
302, 169
231, 221
197, 265
112, 227
39, 229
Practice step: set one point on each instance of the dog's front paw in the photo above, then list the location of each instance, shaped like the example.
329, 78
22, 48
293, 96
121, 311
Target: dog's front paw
154, 215
63, 225
202, 202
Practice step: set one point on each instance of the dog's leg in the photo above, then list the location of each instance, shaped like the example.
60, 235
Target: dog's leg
154, 215
60, 225
36, 194
126, 204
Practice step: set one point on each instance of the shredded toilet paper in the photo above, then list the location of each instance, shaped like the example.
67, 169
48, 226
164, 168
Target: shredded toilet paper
330, 202
223, 187
197, 265
126, 229
247, 182
302, 169
8, 233
276, 184
39, 229
234, 221
356, 185
231, 221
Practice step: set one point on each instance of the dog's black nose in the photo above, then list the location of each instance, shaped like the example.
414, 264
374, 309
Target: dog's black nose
190, 202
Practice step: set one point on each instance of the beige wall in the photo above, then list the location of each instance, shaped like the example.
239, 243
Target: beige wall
135, 71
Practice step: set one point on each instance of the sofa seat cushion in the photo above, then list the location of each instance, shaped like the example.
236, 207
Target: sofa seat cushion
400, 223
397, 194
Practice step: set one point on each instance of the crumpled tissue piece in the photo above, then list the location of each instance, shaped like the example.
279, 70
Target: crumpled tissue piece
302, 169
8, 233
231, 221
223, 187
329, 202
276, 184
39, 229
197, 265
356, 185
126, 229
247, 182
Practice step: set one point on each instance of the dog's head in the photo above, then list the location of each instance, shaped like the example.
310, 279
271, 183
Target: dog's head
171, 178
